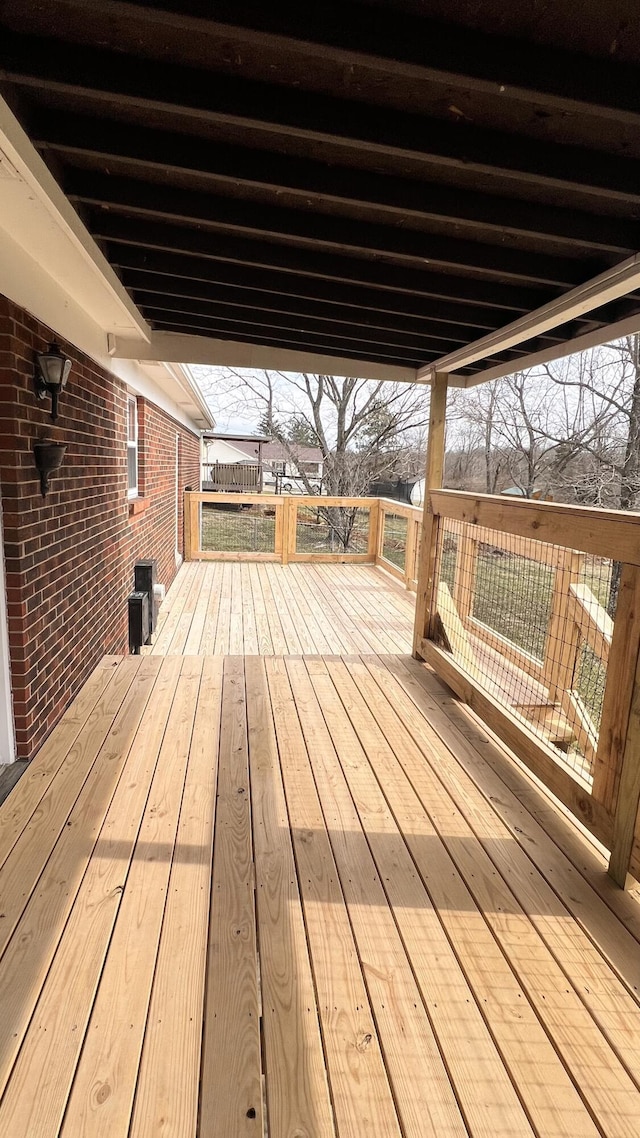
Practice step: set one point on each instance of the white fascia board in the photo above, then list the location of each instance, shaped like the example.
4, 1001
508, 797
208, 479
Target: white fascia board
40, 218
178, 348
24, 281
610, 285
187, 401
593, 339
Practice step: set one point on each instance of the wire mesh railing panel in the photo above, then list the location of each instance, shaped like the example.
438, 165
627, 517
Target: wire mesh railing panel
532, 623
332, 530
449, 540
394, 539
237, 529
513, 595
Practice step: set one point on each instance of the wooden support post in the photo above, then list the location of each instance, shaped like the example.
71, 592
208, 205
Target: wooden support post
626, 816
619, 692
286, 525
376, 526
410, 551
195, 507
186, 521
433, 481
289, 522
191, 523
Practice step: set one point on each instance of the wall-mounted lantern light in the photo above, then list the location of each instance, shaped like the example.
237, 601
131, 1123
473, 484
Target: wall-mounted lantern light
48, 457
52, 373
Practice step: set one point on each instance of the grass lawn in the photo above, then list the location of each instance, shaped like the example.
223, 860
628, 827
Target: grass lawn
237, 531
394, 541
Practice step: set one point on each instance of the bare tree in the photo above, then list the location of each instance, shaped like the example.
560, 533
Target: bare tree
357, 424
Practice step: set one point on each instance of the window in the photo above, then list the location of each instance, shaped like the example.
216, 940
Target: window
132, 445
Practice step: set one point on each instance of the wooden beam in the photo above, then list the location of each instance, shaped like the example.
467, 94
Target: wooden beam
626, 817
150, 87
399, 44
602, 334
619, 689
609, 285
169, 294
302, 341
124, 147
605, 533
428, 542
172, 309
238, 250
334, 234
188, 270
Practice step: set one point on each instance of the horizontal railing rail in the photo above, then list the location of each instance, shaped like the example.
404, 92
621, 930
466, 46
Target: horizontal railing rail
534, 620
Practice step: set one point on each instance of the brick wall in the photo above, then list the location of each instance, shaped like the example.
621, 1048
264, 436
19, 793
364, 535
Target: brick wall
69, 557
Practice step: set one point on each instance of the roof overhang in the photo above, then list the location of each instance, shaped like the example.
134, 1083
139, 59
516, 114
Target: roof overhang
373, 188
51, 266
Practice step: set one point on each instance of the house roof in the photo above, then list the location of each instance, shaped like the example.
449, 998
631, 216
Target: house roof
276, 451
213, 435
380, 185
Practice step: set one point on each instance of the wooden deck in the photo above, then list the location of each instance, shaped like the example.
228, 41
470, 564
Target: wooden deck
303, 897
216, 608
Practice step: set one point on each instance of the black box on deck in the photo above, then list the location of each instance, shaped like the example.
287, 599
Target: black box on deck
145, 578
139, 630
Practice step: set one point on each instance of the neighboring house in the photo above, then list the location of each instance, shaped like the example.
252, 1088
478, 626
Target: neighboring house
277, 460
232, 462
537, 493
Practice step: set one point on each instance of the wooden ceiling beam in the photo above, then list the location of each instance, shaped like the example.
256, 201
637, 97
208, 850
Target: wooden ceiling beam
340, 236
112, 78
182, 271
155, 306
400, 43
354, 349
138, 149
352, 270
147, 288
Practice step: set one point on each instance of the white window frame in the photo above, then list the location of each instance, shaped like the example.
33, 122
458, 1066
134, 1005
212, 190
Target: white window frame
132, 446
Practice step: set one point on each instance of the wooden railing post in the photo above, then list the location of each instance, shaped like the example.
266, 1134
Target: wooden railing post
562, 641
410, 551
376, 528
465, 574
191, 525
289, 522
433, 480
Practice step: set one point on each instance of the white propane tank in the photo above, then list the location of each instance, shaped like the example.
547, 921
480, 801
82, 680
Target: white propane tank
417, 493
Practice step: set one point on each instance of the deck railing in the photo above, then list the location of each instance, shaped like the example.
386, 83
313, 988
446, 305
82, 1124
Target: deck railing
534, 620
238, 477
282, 527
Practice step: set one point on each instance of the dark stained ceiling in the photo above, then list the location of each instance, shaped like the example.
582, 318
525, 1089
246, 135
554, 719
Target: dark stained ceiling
386, 181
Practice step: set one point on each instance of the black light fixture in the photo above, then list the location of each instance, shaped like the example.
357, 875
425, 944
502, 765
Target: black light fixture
48, 457
51, 375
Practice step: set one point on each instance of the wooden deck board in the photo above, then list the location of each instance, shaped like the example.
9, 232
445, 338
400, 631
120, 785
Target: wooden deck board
311, 886
269, 609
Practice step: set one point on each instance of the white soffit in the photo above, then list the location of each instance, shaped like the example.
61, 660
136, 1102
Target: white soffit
38, 218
